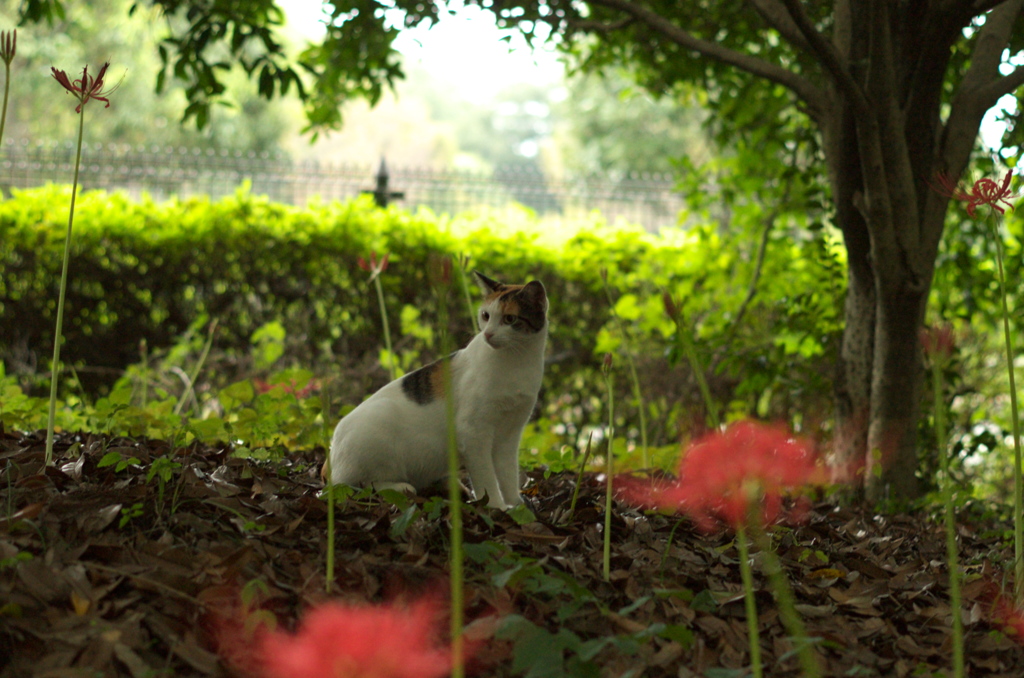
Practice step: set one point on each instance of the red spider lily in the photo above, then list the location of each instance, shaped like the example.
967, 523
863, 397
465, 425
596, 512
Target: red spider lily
86, 87
724, 474
374, 266
938, 342
358, 641
983, 192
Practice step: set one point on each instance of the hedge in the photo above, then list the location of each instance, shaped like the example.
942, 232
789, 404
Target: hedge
147, 271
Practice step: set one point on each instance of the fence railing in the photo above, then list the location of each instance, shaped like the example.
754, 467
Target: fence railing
648, 199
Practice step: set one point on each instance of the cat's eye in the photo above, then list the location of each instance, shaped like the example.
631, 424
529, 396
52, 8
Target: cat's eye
510, 319
485, 315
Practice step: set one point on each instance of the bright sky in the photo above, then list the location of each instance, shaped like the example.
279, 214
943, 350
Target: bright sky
465, 49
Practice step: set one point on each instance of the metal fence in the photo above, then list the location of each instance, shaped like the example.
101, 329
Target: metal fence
648, 199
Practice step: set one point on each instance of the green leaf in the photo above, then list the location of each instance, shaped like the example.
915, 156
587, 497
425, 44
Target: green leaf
210, 429
398, 499
236, 394
704, 601
536, 652
522, 514
678, 633
408, 516
109, 459
634, 606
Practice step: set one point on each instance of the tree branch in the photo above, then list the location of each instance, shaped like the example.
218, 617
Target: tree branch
982, 85
776, 16
1006, 84
980, 88
803, 88
591, 26
762, 247
826, 55
982, 6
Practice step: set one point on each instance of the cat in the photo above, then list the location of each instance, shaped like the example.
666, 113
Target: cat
398, 437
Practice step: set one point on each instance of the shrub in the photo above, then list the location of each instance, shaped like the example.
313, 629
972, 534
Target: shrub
146, 271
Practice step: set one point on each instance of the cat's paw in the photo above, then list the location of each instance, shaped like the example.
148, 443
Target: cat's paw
404, 488
515, 501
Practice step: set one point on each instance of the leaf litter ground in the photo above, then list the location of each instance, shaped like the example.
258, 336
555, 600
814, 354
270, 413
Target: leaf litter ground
102, 572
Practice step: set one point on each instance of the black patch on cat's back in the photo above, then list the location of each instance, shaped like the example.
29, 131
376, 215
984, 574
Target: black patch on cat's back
426, 384
416, 385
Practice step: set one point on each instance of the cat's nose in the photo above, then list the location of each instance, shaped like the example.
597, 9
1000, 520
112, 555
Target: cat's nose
488, 336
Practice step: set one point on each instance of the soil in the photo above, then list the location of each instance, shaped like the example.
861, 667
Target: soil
115, 572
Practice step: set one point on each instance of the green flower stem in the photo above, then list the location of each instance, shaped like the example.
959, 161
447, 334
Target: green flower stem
456, 557
55, 367
606, 560
690, 351
637, 394
463, 261
809, 664
329, 487
455, 508
190, 387
1018, 519
748, 599
144, 353
392, 367
950, 519
7, 90
329, 576
579, 478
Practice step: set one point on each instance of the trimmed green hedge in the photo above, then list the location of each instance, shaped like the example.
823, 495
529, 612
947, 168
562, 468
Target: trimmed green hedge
141, 270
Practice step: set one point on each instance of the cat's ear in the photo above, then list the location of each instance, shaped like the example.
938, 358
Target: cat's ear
487, 285
534, 292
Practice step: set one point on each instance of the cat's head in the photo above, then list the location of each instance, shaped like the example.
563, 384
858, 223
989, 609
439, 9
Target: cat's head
511, 313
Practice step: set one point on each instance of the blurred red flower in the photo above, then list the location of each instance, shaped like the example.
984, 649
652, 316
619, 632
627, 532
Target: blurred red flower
1009, 617
938, 342
291, 387
724, 475
373, 266
86, 87
983, 192
359, 641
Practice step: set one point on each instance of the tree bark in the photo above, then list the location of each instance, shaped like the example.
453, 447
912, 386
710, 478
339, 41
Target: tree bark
856, 353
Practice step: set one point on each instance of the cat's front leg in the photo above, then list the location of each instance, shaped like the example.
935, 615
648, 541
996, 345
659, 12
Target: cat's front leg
476, 456
506, 466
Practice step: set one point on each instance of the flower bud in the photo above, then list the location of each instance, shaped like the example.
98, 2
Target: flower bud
938, 342
8, 45
670, 305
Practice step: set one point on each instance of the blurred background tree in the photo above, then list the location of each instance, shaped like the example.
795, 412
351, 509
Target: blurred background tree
607, 124
91, 33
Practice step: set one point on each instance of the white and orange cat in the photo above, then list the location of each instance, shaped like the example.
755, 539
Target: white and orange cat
398, 437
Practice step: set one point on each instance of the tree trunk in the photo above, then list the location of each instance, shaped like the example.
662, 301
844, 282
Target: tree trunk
896, 381
853, 375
